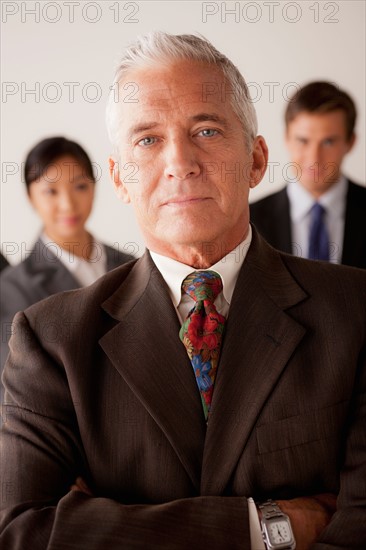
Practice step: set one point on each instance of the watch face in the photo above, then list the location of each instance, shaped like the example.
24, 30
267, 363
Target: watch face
279, 532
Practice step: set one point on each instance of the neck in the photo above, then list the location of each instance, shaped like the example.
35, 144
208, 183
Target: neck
79, 245
317, 192
200, 255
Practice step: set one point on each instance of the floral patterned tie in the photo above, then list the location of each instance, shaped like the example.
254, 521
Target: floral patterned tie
201, 332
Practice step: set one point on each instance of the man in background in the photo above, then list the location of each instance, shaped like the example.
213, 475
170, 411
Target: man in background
321, 213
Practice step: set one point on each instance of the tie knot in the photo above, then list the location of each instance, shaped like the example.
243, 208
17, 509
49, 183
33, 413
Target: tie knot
202, 285
317, 211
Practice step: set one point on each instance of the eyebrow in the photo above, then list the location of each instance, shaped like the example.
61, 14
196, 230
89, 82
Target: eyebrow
209, 117
331, 136
51, 181
201, 117
83, 176
139, 128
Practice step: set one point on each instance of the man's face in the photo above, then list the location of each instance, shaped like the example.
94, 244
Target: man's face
317, 144
188, 148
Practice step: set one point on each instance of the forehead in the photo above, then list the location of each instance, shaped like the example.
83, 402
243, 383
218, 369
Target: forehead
61, 169
180, 89
333, 122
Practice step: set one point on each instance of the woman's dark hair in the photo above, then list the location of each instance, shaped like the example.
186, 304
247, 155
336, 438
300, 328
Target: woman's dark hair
47, 151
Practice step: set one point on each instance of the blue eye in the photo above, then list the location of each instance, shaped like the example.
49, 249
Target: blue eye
146, 141
208, 132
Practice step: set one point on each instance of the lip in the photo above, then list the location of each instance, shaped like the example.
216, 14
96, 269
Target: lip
70, 220
185, 201
310, 172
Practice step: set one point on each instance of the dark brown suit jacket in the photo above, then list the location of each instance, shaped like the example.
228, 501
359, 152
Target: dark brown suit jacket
271, 216
99, 385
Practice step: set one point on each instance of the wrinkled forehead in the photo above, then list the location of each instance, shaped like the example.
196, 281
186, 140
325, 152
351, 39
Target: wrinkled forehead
172, 95
159, 86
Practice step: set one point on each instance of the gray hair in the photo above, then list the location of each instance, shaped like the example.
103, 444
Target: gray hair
160, 47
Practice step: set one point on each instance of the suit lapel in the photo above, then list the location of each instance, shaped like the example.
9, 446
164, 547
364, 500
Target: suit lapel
155, 364
259, 340
283, 229
51, 275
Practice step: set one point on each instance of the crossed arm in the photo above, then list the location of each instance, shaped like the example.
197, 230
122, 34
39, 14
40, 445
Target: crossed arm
78, 519
309, 515
44, 506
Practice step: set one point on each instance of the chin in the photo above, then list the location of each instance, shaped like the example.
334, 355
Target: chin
69, 236
317, 187
188, 236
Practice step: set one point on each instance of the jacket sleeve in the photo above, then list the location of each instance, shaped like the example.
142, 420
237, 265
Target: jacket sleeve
42, 454
347, 528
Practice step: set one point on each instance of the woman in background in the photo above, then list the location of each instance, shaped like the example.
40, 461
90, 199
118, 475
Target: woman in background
60, 185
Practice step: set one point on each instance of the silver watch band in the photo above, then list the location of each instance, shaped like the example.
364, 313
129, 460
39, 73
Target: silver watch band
270, 509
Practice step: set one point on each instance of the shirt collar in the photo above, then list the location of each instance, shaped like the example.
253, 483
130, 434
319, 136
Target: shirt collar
301, 200
334, 199
70, 260
65, 256
228, 268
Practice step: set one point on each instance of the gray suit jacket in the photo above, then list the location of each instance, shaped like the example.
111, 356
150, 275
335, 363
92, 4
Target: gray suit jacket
3, 262
40, 275
271, 216
99, 385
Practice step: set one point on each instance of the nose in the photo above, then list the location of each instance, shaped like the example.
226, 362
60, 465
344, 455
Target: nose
181, 160
66, 202
314, 154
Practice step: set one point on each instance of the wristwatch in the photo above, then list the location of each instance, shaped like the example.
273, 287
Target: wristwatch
276, 527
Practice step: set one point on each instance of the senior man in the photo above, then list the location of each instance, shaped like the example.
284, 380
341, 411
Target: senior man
212, 371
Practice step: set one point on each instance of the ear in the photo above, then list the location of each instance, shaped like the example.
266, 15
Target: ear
259, 161
120, 188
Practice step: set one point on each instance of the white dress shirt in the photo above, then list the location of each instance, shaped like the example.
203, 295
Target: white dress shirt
228, 268
85, 272
334, 202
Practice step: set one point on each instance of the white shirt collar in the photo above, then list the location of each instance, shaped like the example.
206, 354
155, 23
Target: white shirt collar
85, 272
228, 267
70, 260
301, 200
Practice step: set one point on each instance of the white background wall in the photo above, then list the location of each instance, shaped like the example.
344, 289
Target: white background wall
276, 44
